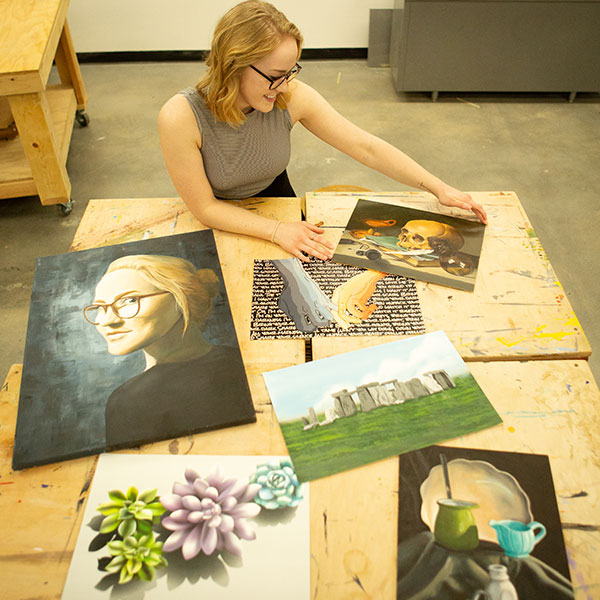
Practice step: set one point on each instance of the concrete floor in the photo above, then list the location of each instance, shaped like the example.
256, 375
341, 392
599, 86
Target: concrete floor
540, 146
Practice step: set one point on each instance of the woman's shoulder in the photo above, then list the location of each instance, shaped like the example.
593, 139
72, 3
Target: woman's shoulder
177, 117
302, 100
175, 109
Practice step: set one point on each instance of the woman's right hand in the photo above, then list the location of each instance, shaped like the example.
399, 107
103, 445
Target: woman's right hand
303, 239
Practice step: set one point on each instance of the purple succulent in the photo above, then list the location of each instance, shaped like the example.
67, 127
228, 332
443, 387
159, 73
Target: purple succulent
209, 514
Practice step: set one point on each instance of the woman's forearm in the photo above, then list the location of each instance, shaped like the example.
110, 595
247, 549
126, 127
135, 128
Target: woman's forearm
300, 239
221, 215
385, 158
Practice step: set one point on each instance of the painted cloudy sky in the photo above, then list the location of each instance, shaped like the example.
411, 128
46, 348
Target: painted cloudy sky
294, 389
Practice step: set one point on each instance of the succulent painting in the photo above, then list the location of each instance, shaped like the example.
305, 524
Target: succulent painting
279, 486
130, 513
209, 514
135, 556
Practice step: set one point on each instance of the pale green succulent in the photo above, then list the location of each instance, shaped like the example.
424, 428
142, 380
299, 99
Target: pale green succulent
279, 485
130, 513
136, 556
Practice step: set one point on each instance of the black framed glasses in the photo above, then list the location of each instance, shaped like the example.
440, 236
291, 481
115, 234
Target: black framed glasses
275, 82
125, 307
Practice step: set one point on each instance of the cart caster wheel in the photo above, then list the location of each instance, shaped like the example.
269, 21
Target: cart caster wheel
373, 254
65, 209
82, 118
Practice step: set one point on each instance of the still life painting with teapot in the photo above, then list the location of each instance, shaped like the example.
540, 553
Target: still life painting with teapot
415, 243
479, 524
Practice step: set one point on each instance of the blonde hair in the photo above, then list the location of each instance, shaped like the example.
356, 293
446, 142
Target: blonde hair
193, 290
246, 33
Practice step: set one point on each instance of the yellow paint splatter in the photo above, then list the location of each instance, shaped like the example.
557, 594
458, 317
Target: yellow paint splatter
553, 331
554, 335
511, 429
504, 341
572, 322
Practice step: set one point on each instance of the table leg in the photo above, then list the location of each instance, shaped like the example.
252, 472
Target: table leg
34, 123
68, 66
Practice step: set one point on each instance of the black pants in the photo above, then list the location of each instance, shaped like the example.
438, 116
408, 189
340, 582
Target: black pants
280, 188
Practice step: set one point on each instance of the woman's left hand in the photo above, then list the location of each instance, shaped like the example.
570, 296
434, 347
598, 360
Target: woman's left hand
303, 239
450, 196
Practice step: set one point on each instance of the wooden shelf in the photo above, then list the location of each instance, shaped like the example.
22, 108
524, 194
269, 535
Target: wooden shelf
16, 178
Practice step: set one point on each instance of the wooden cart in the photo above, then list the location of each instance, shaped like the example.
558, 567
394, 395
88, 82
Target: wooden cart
33, 36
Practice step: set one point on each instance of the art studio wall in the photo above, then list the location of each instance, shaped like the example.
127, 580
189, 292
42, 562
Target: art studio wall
145, 25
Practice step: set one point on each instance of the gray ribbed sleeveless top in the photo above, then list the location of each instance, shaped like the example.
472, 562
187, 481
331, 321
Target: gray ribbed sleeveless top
242, 161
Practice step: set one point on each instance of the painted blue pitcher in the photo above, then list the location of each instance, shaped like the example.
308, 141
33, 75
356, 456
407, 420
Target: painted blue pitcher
518, 539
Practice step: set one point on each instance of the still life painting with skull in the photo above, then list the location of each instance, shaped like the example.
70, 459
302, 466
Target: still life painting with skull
411, 242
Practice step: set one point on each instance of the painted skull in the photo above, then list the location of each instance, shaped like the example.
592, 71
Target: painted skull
429, 235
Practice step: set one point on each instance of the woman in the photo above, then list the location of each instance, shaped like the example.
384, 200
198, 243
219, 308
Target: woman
160, 304
229, 137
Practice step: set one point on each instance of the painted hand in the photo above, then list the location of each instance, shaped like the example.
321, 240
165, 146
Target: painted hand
352, 296
302, 239
450, 196
302, 300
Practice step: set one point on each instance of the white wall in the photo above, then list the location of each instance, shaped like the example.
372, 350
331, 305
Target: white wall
136, 25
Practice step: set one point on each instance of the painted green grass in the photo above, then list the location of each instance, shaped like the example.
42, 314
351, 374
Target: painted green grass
389, 430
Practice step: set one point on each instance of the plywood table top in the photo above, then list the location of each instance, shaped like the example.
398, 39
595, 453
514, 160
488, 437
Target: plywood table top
518, 310
548, 407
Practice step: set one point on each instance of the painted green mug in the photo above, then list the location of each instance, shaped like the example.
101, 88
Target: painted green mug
455, 526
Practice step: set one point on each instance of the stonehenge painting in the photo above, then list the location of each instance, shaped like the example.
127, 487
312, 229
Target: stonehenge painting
368, 397
347, 410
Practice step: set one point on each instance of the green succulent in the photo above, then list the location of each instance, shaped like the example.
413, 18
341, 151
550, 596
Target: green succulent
136, 556
130, 513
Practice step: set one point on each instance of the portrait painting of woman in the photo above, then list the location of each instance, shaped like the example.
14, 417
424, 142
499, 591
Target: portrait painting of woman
159, 305
128, 344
